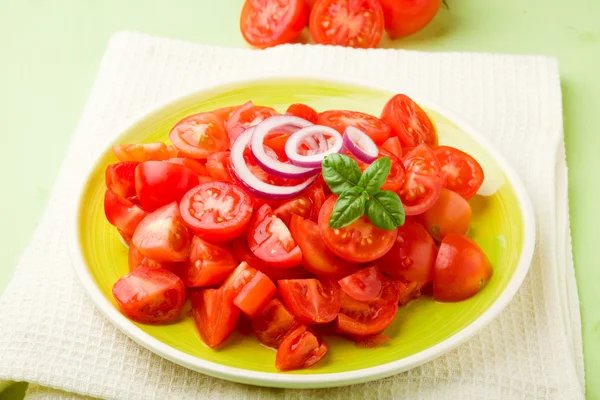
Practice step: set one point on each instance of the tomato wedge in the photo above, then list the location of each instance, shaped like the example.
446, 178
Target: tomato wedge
310, 300
358, 318
409, 122
255, 294
245, 116
135, 259
214, 314
217, 211
461, 172
395, 178
150, 295
451, 213
218, 166
377, 129
120, 178
141, 152
210, 263
303, 111
194, 165
243, 253
158, 183
199, 135
273, 323
423, 180
392, 145
364, 285
122, 213
301, 348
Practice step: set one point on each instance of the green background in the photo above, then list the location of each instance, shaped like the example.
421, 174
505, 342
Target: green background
52, 50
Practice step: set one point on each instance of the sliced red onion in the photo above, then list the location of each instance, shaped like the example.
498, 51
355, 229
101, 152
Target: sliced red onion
251, 182
312, 160
360, 144
270, 165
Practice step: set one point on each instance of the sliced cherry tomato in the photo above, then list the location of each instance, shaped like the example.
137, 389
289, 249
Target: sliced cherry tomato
405, 17
393, 146
397, 175
136, 259
122, 213
163, 236
120, 178
451, 213
364, 285
347, 23
239, 278
218, 166
423, 181
359, 242
461, 172
158, 183
246, 116
303, 111
316, 256
199, 135
412, 257
243, 253
194, 165
150, 295
217, 211
358, 318
300, 349
409, 122
214, 314
377, 129
255, 294
271, 241
273, 323
141, 152
266, 23
461, 270
310, 300
210, 263
299, 206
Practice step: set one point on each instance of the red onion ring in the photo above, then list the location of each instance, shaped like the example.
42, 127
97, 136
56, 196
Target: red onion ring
360, 144
312, 160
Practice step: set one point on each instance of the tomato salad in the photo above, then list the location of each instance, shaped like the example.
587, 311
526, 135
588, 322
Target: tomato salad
295, 222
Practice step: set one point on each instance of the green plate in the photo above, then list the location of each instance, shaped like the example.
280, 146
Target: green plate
502, 225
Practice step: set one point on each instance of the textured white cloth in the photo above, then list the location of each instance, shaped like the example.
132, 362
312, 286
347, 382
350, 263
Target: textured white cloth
51, 335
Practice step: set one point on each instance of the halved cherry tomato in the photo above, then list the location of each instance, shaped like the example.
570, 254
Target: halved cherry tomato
120, 178
405, 17
347, 23
409, 122
150, 295
266, 23
194, 165
451, 213
393, 146
245, 116
412, 257
303, 111
364, 285
461, 172
271, 241
141, 152
316, 256
255, 294
461, 270
301, 348
163, 236
214, 314
395, 178
243, 253
273, 323
122, 213
136, 259
423, 181
217, 211
158, 183
306, 205
377, 129
218, 166
210, 263
310, 300
359, 242
358, 318
199, 135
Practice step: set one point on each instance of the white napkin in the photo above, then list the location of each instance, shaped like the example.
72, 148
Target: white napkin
51, 335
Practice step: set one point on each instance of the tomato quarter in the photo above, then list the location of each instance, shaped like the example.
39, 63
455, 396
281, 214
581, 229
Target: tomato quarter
364, 285
120, 178
423, 182
303, 111
122, 213
214, 314
300, 349
273, 323
243, 253
246, 116
310, 300
210, 263
461, 172
358, 318
377, 129
199, 135
158, 183
255, 294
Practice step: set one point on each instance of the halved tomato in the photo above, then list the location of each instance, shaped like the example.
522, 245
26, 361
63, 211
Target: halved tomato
199, 135
122, 213
307, 205
303, 111
150, 295
364, 285
423, 180
158, 183
409, 122
451, 213
395, 178
194, 165
358, 318
120, 178
245, 116
301, 348
240, 276
217, 211
141, 152
377, 129
214, 314
210, 263
273, 323
255, 294
393, 146
310, 300
224, 113
461, 172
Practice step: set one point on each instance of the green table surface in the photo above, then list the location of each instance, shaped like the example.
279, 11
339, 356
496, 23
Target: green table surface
51, 52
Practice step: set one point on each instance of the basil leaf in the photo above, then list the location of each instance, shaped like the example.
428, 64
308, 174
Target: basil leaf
349, 207
385, 210
340, 172
374, 177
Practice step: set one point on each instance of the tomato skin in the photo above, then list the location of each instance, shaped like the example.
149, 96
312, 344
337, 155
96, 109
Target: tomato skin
255, 294
162, 235
243, 253
120, 178
150, 295
409, 122
141, 152
122, 213
393, 146
405, 17
240, 276
246, 116
194, 165
377, 129
423, 181
199, 135
266, 23
461, 269
216, 211
300, 349
412, 258
310, 300
273, 323
135, 259
357, 318
158, 183
461, 172
210, 263
330, 19
214, 314
364, 285
303, 111
450, 214
316, 256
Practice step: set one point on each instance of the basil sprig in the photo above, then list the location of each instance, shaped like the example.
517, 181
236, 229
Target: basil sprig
360, 193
